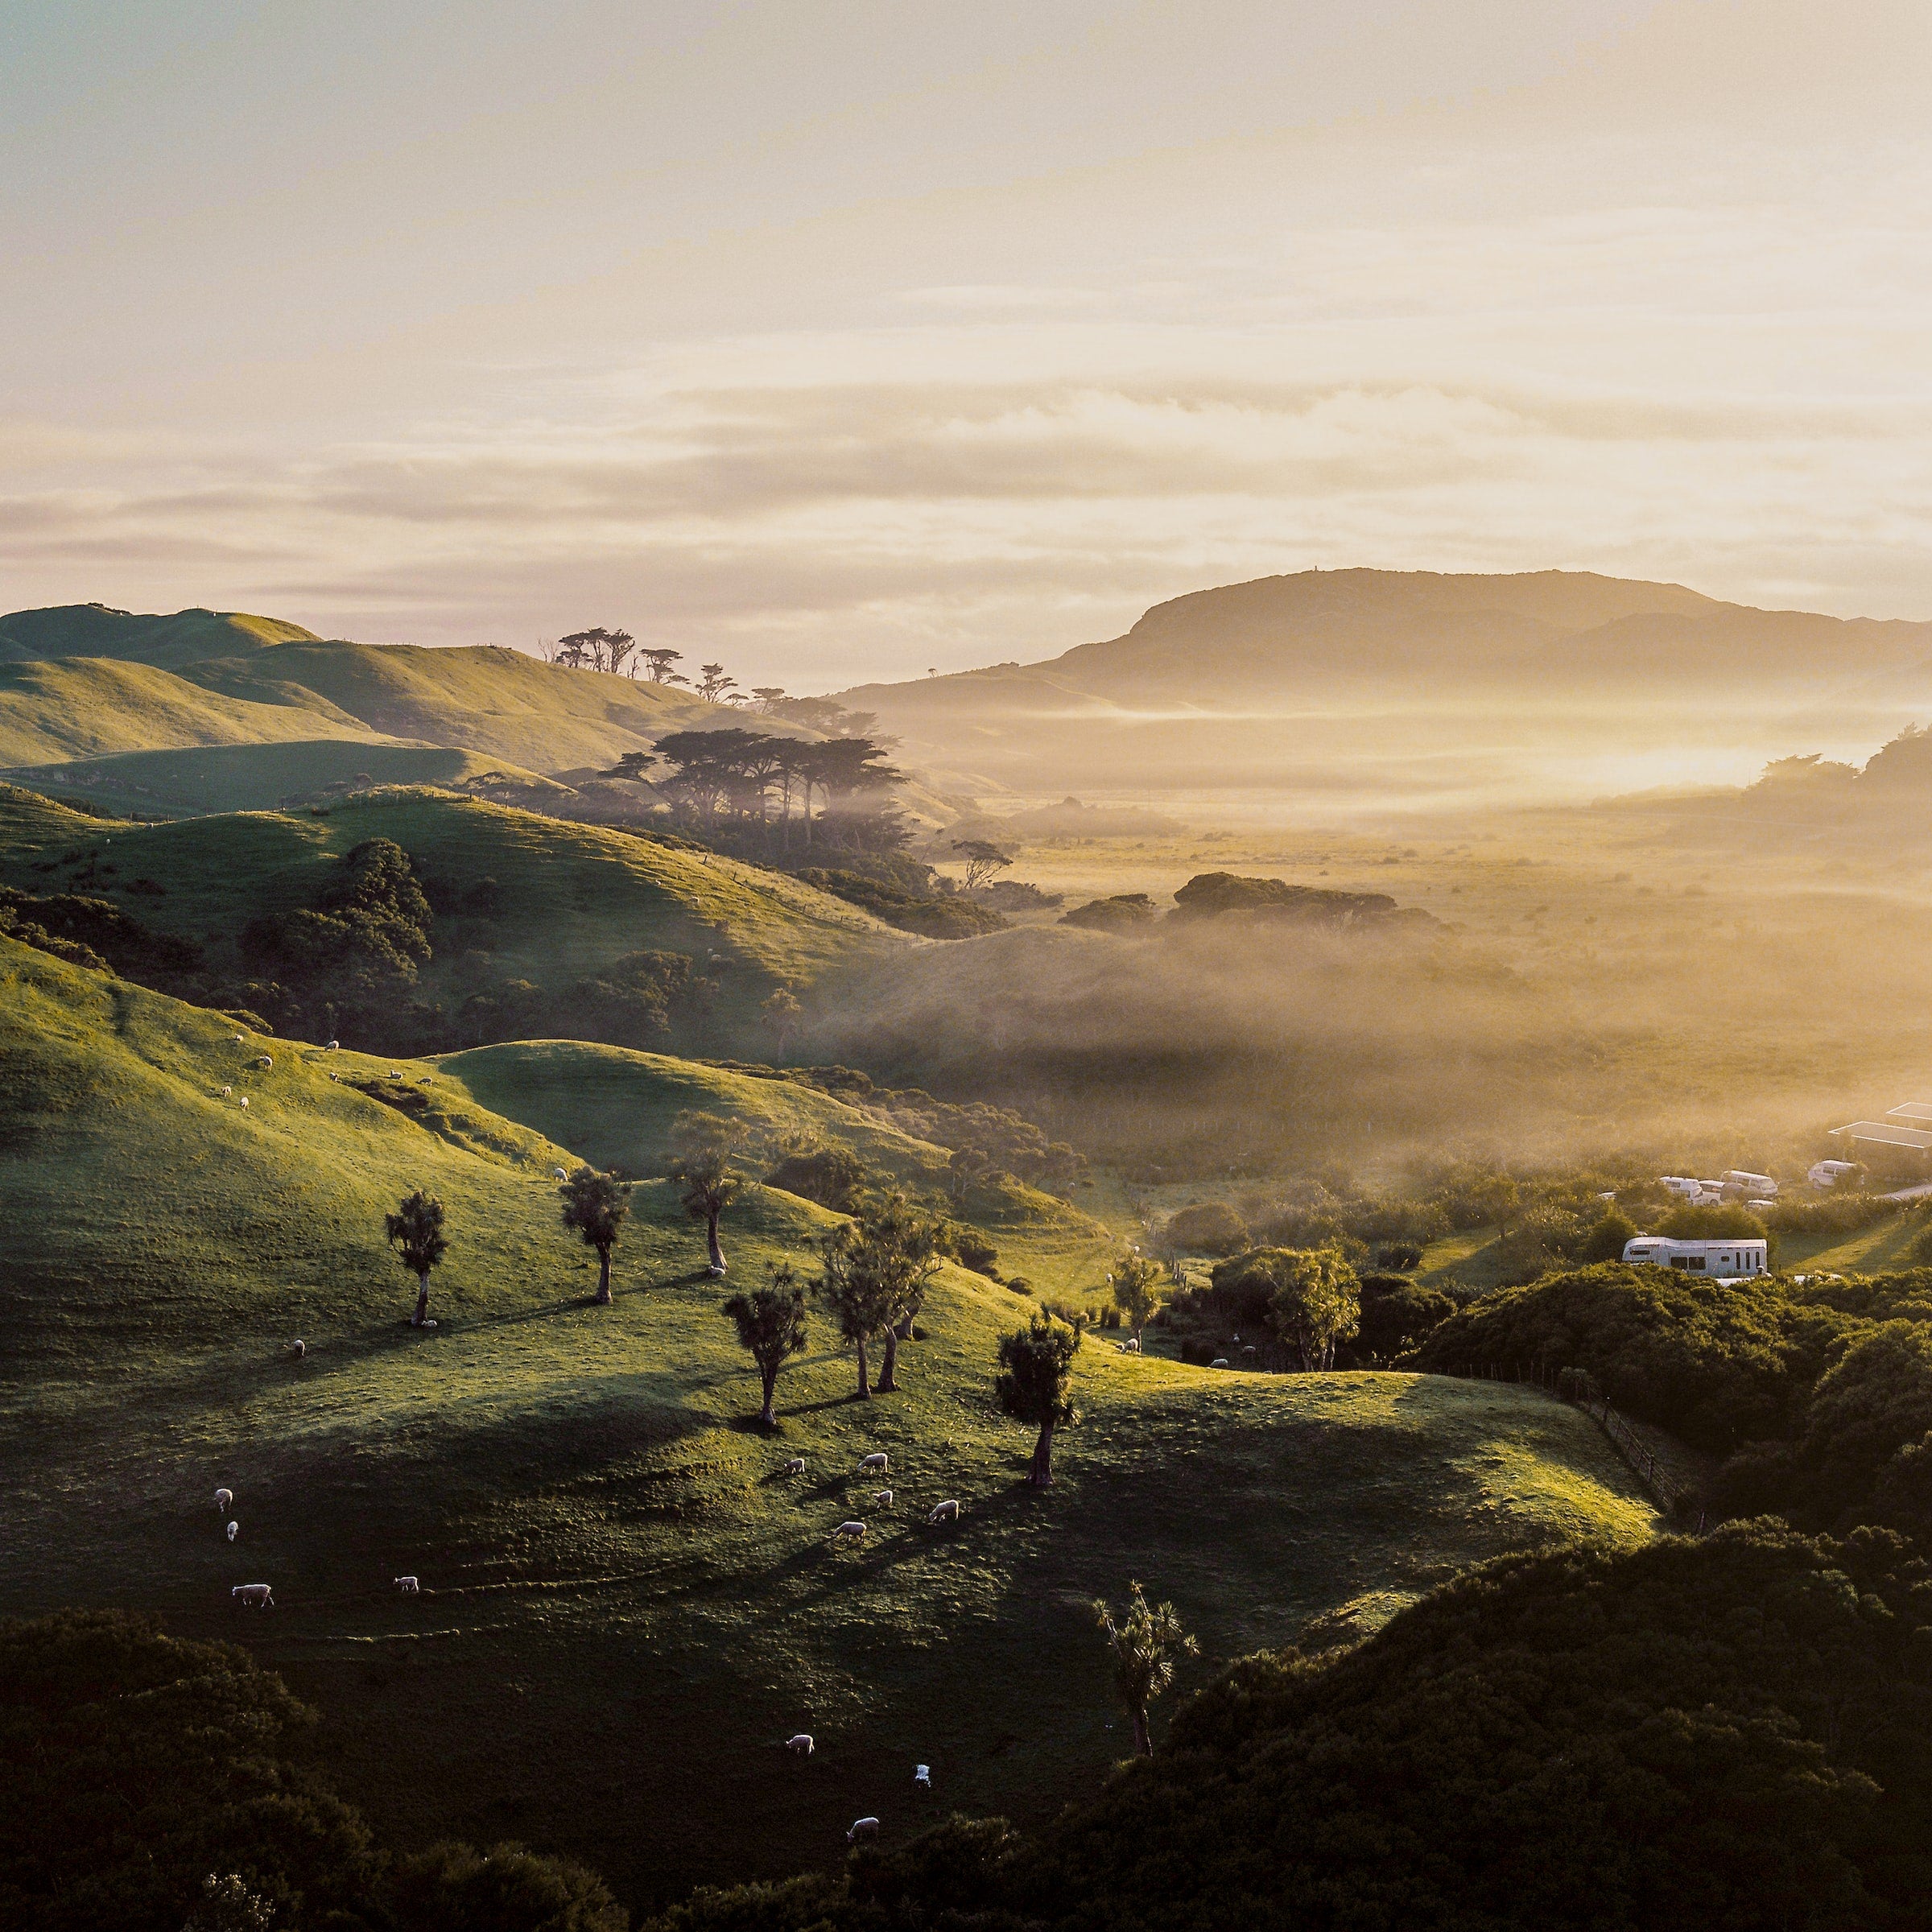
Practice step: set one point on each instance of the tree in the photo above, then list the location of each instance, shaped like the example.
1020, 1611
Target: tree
782, 1013
702, 1146
631, 765
771, 1326
963, 1168
1036, 1368
766, 696
1147, 1643
595, 1205
660, 661
1317, 1302
983, 860
1605, 1240
1135, 1279
415, 1232
595, 649
712, 683
1496, 1198
876, 1269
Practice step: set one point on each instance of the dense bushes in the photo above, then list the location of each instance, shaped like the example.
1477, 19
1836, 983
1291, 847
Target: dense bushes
1718, 1362
1207, 1227
133, 1767
1734, 1733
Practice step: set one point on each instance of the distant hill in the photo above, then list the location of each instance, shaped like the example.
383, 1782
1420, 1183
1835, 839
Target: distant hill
84, 681
1343, 670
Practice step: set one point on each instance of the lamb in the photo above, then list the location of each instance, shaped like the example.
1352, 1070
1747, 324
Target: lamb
882, 1498
234, 1529
862, 1827
947, 1511
408, 1586
253, 1596
877, 1460
801, 1743
224, 1500
852, 1532
795, 1466
922, 1776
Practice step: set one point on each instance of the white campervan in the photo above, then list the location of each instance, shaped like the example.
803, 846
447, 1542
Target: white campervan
1719, 1260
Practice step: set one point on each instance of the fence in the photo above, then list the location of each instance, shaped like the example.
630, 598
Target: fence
1671, 1495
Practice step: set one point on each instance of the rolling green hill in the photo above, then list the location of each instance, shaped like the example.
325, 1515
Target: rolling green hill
215, 779
624, 1606
59, 709
93, 630
569, 898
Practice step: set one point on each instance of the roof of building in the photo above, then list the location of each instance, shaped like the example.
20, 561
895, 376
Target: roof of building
1911, 1110
1886, 1134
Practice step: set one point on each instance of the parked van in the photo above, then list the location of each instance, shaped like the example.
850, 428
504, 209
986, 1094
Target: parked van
1716, 1261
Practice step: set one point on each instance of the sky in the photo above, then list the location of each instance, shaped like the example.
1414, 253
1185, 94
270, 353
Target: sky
842, 340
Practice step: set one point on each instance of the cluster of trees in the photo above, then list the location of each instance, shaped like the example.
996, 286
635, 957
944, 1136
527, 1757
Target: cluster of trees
767, 781
149, 1783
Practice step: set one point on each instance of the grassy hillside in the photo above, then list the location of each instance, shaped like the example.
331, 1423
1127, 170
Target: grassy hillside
93, 630
624, 1607
615, 1107
259, 777
55, 710
571, 898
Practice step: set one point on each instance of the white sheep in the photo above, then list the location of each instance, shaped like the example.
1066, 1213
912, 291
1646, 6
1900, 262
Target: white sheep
557, 1173
408, 1586
882, 1498
851, 1532
878, 1460
922, 1776
253, 1596
947, 1511
234, 1529
244, 1103
862, 1827
226, 1092
224, 1500
333, 1047
266, 1060
801, 1743
795, 1466
1221, 1361
298, 1347
239, 1041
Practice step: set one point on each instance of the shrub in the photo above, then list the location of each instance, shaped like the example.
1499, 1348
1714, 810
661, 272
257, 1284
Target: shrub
1207, 1227
825, 1171
1397, 1315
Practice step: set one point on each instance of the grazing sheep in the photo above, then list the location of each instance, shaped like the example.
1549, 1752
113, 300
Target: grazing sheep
557, 1173
239, 1041
253, 1596
795, 1466
1248, 1349
224, 1500
1221, 1361
878, 1460
801, 1743
409, 1586
244, 1103
922, 1776
947, 1511
882, 1498
396, 1073
234, 1529
226, 1092
1128, 1348
336, 1077
266, 1060
298, 1347
852, 1532
333, 1047
862, 1827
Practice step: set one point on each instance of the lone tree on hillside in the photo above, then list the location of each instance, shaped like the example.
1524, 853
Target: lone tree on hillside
712, 683
983, 860
877, 1267
415, 1232
1134, 1281
702, 1146
1317, 1302
1036, 1367
595, 1205
660, 661
782, 1013
1147, 1643
1496, 1198
771, 1326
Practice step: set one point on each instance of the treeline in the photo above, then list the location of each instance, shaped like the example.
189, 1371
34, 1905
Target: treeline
150, 1784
